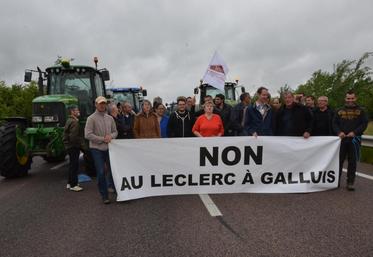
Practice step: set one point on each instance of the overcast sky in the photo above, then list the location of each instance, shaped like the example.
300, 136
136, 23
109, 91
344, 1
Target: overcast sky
166, 46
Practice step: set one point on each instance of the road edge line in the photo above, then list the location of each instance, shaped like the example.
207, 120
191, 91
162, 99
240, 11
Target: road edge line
360, 174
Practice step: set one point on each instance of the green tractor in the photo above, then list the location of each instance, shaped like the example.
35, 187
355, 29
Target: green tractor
67, 85
230, 92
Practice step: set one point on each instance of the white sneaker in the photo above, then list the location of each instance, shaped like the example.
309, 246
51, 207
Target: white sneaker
76, 189
68, 186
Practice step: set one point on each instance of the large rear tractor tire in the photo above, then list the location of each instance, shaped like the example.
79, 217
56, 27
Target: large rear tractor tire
15, 160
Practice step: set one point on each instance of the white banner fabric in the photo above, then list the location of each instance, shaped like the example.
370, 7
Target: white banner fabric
172, 166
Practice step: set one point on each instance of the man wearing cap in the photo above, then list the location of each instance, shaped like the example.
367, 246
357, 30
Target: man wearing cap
100, 129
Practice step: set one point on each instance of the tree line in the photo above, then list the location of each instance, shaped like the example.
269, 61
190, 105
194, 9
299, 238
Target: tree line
16, 100
346, 75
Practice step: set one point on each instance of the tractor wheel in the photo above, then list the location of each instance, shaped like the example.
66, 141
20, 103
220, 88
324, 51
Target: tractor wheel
54, 159
15, 161
89, 165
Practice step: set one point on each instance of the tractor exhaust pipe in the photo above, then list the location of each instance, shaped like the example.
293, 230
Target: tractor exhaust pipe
40, 82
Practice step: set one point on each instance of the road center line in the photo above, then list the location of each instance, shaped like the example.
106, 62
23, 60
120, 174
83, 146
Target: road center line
361, 175
210, 205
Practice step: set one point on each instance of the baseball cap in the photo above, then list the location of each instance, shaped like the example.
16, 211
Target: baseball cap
100, 99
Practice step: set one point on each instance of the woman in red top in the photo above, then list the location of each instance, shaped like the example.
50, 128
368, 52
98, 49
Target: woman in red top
208, 124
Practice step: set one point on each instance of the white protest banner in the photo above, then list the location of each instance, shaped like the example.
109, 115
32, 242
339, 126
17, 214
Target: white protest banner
172, 166
216, 72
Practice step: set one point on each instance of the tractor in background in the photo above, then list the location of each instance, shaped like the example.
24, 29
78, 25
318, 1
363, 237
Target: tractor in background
66, 85
231, 92
134, 95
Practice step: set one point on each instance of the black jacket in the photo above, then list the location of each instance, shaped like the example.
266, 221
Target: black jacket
180, 124
322, 124
225, 115
237, 114
293, 121
347, 119
128, 123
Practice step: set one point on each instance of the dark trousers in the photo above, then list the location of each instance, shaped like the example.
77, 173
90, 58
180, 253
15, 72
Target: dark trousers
73, 166
101, 158
240, 133
349, 149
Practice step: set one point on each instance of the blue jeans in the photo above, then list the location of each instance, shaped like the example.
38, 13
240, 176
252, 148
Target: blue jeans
100, 158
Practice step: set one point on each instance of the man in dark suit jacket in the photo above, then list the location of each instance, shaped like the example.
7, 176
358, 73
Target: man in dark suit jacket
293, 119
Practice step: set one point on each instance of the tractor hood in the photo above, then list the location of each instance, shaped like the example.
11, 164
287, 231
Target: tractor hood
66, 99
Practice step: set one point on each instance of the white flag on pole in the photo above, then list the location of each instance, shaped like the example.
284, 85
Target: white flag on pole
216, 72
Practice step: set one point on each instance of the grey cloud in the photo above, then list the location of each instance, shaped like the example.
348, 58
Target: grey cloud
166, 45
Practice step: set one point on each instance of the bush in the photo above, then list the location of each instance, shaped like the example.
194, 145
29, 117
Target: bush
16, 100
366, 154
369, 130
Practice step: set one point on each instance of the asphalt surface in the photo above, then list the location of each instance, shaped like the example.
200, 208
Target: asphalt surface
39, 217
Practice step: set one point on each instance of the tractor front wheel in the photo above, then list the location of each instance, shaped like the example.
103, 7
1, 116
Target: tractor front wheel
15, 160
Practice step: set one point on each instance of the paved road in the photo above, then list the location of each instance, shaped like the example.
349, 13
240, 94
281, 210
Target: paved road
39, 217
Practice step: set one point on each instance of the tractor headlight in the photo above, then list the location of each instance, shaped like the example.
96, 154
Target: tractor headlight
50, 118
37, 119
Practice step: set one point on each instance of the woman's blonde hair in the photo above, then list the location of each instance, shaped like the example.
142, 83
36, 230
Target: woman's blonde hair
208, 103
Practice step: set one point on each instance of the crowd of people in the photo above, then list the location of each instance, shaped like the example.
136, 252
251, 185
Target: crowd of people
290, 115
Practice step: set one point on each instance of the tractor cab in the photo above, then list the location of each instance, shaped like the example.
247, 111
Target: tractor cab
230, 92
81, 82
66, 85
134, 95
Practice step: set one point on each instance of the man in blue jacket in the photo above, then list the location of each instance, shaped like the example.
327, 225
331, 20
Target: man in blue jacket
258, 121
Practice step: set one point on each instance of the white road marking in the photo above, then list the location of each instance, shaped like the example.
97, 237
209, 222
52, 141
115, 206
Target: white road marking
214, 210
60, 165
210, 205
361, 175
